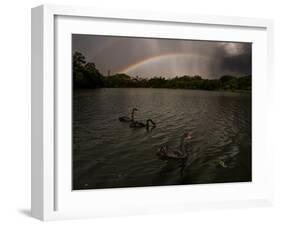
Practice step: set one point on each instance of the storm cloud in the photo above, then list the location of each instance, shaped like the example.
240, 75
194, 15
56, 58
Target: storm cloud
149, 57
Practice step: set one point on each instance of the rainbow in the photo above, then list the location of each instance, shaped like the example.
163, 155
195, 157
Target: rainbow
156, 59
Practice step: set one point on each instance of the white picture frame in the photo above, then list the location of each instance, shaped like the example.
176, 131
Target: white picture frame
52, 197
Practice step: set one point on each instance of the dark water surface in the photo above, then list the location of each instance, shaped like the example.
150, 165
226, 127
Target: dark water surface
107, 153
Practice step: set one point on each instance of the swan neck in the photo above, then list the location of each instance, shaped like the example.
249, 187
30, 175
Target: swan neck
133, 115
149, 121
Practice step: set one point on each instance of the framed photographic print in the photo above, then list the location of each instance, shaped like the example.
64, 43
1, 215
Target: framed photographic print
135, 112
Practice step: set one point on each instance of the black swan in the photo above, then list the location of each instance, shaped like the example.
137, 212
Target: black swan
137, 124
128, 119
174, 153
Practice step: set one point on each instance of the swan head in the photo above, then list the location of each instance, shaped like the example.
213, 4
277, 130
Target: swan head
135, 109
187, 136
150, 120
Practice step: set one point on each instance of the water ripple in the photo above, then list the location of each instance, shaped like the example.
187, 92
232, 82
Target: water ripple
107, 153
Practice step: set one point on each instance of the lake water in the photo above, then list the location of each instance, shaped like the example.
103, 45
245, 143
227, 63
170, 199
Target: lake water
108, 153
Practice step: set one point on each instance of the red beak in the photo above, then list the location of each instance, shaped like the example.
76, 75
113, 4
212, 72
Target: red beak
188, 136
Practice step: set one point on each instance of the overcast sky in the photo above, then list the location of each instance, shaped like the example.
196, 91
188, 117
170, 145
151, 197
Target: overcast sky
149, 57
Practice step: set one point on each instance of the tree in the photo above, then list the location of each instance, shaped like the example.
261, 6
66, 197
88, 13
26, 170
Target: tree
78, 62
86, 75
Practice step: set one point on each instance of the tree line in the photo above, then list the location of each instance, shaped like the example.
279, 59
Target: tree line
86, 75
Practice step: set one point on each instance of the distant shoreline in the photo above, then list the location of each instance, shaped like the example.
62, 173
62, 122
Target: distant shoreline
219, 90
86, 75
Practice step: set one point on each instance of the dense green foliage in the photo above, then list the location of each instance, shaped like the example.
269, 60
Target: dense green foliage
86, 75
